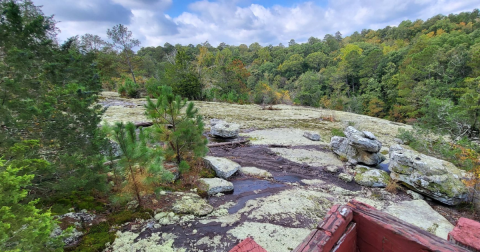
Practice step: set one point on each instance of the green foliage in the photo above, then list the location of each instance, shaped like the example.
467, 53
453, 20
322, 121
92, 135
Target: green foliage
23, 227
337, 132
139, 166
180, 131
129, 89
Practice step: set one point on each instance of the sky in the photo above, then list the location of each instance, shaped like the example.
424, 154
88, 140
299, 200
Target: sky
235, 22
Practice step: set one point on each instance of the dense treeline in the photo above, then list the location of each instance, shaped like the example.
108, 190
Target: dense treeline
422, 69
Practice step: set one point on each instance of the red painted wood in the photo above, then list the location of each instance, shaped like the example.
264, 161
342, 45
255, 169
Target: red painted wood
348, 241
328, 231
378, 231
466, 234
248, 245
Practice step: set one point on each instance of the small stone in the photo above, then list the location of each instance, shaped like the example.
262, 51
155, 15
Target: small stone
312, 136
415, 196
332, 169
225, 130
398, 140
369, 135
345, 177
194, 231
255, 172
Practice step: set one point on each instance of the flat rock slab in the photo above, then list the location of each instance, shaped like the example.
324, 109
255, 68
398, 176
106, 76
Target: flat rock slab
283, 136
215, 185
255, 172
371, 177
420, 214
310, 157
224, 168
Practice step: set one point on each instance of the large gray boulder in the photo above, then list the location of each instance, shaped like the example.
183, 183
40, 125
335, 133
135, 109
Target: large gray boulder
215, 185
435, 178
224, 168
358, 147
369, 177
224, 130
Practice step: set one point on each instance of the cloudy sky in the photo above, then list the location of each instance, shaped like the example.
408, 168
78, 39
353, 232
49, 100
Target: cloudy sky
234, 22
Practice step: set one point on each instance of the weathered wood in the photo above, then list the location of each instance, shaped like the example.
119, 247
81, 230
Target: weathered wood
279, 146
328, 231
143, 124
379, 231
466, 234
228, 143
248, 245
348, 241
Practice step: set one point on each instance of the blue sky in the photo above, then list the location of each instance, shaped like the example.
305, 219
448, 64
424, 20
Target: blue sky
155, 22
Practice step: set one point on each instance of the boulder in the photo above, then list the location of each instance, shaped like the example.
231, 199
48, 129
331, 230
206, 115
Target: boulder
435, 178
215, 185
225, 130
369, 177
312, 136
420, 214
192, 204
214, 122
345, 177
255, 172
358, 147
224, 168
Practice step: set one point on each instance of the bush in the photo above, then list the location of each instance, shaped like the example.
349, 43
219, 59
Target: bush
129, 89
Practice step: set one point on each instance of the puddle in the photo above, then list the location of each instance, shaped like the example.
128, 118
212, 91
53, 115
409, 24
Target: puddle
290, 179
384, 167
250, 185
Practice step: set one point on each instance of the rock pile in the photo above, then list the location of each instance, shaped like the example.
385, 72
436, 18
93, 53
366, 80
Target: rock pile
430, 176
358, 147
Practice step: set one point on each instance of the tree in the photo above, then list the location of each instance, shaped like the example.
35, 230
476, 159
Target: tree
181, 132
122, 40
140, 166
182, 78
92, 43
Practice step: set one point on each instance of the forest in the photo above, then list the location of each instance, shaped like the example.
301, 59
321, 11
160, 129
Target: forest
53, 154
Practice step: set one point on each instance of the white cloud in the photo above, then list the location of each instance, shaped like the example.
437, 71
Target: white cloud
224, 21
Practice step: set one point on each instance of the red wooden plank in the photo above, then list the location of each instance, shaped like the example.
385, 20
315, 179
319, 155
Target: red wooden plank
378, 231
248, 245
466, 234
348, 241
328, 231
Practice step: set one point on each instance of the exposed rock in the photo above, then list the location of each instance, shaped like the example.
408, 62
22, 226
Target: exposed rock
224, 168
192, 204
215, 185
255, 172
415, 196
70, 240
398, 141
420, 214
215, 121
358, 146
173, 168
225, 130
430, 176
345, 177
312, 136
331, 168
371, 177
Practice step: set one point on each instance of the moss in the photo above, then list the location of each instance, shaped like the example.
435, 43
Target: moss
207, 173
98, 235
337, 132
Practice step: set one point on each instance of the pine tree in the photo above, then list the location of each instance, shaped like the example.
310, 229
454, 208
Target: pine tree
180, 131
139, 166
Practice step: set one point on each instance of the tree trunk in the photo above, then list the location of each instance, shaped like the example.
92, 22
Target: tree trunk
131, 69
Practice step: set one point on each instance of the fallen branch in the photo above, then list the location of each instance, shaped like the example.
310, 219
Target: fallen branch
143, 124
228, 143
279, 146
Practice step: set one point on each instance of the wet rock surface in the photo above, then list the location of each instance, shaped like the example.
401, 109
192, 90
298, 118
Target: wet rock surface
435, 178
